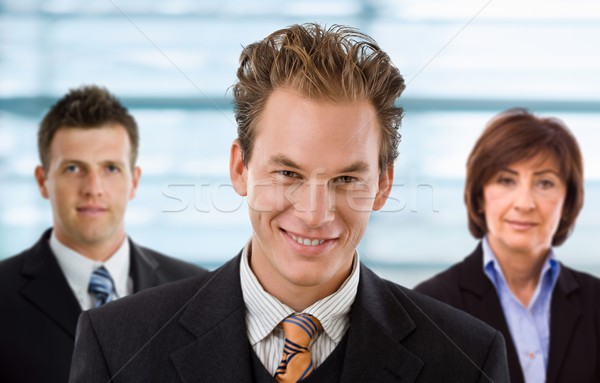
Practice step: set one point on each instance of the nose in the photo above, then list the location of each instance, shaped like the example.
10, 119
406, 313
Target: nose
314, 204
92, 184
524, 200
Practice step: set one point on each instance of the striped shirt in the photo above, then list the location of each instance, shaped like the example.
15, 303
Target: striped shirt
264, 312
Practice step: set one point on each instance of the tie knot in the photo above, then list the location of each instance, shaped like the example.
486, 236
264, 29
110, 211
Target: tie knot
301, 328
101, 285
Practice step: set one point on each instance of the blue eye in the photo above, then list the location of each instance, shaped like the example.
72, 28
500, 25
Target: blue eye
71, 168
345, 179
112, 169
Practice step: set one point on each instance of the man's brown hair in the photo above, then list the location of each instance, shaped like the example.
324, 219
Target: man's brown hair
87, 107
337, 64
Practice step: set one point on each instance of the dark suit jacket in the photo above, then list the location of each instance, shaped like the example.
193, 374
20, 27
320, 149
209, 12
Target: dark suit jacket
38, 310
195, 331
574, 354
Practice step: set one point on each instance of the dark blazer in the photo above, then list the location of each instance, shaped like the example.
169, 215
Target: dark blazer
38, 310
574, 354
195, 331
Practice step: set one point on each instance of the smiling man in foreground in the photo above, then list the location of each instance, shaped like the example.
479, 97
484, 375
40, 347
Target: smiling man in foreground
317, 139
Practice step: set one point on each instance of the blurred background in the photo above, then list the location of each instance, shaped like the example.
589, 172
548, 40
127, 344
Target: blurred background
172, 63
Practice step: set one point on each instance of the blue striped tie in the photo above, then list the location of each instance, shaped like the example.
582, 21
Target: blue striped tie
102, 286
296, 363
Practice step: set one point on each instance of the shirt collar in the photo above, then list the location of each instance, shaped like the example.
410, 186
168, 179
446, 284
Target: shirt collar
78, 269
491, 268
265, 312
118, 267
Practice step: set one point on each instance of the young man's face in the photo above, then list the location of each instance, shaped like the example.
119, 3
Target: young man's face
89, 183
312, 182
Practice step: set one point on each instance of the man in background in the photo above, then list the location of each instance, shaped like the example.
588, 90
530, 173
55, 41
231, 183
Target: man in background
88, 145
317, 140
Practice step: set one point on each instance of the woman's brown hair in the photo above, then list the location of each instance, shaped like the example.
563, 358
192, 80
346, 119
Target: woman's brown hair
516, 135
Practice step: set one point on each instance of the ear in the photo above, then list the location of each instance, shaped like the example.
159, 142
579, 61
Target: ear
385, 187
40, 179
136, 174
237, 169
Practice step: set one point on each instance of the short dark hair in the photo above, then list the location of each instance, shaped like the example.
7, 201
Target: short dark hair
86, 107
336, 63
515, 135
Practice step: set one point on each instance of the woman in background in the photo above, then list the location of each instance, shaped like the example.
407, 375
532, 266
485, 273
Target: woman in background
523, 192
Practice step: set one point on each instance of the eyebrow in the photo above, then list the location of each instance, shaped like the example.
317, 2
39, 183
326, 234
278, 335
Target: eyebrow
68, 161
83, 163
282, 160
534, 173
357, 167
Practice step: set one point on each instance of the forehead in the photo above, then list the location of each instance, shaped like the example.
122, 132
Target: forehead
317, 131
104, 142
539, 162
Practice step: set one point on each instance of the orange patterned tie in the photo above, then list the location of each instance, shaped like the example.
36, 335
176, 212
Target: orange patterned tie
296, 363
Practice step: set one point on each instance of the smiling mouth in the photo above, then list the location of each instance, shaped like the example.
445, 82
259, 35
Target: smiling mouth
307, 241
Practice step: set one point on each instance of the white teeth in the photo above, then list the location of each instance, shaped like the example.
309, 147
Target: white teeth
307, 241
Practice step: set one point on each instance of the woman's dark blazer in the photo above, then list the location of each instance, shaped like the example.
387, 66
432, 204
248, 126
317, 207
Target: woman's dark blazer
574, 354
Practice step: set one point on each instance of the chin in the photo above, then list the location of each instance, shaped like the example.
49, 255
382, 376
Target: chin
307, 282
527, 247
304, 278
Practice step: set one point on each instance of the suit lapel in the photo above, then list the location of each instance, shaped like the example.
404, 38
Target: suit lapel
216, 316
479, 298
143, 268
48, 288
564, 314
222, 353
378, 323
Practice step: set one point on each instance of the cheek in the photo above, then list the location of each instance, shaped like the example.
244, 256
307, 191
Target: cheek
355, 221
121, 187
555, 212
359, 198
492, 209
62, 190
491, 196
130, 190
495, 201
267, 197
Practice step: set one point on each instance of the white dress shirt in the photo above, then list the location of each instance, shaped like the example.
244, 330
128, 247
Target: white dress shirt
78, 270
264, 312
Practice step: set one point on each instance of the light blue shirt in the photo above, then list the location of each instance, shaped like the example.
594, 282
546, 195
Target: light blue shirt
529, 326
